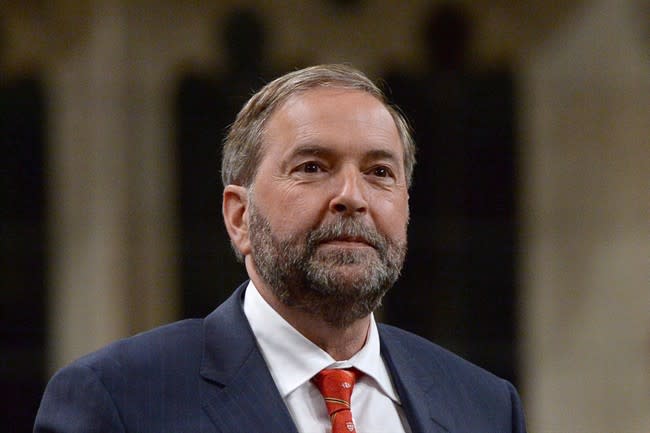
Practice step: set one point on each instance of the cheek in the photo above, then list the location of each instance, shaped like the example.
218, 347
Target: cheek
293, 211
392, 216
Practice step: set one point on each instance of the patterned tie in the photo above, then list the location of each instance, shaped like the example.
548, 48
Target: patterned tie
336, 387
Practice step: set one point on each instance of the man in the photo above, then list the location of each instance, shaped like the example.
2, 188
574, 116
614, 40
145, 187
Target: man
316, 171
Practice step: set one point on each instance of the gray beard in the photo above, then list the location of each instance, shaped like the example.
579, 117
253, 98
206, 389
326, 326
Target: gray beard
318, 282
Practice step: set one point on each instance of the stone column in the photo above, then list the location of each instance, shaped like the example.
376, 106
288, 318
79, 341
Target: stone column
112, 269
586, 212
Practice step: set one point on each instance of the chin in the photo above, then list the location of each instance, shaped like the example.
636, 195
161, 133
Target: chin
348, 258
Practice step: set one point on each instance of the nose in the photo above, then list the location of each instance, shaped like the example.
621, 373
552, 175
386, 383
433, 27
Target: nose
350, 196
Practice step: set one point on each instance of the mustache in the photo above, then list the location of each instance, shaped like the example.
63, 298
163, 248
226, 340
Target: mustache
346, 229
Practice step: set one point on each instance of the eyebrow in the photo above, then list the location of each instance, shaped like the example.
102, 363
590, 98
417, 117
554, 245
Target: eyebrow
381, 154
311, 150
321, 151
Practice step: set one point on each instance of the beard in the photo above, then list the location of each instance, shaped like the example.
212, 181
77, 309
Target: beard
338, 285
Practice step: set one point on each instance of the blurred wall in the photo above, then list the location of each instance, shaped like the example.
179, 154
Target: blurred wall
586, 205
110, 67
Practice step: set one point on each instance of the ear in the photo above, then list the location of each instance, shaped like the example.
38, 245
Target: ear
235, 216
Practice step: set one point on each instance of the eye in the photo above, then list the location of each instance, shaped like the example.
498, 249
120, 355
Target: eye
381, 171
310, 167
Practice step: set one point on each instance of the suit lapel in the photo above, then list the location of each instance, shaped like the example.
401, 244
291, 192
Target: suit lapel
242, 397
425, 410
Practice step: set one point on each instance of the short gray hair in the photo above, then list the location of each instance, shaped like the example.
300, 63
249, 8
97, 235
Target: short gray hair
242, 148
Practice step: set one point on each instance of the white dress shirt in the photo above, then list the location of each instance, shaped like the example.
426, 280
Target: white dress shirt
293, 360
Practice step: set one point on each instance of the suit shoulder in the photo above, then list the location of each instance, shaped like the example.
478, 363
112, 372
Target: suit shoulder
170, 344
485, 399
435, 356
112, 387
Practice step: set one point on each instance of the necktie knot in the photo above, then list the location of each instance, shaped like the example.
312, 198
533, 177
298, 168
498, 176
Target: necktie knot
336, 386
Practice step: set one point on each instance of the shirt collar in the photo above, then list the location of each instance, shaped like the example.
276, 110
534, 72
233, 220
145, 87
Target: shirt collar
293, 359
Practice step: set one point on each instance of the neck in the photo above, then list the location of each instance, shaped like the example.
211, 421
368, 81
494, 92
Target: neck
341, 343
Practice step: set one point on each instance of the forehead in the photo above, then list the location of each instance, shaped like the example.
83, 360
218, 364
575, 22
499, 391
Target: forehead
331, 115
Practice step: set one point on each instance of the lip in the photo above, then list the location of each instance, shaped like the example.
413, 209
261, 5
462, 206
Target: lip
348, 243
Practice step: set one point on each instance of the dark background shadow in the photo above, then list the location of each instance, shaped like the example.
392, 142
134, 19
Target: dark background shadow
23, 249
459, 286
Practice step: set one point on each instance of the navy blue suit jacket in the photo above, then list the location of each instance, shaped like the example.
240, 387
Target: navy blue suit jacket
208, 375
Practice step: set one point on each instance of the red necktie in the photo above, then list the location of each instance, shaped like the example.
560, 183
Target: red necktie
336, 387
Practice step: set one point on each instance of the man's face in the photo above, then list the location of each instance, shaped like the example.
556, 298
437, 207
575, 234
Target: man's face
329, 205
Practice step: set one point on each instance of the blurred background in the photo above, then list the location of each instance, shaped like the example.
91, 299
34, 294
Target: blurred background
529, 238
